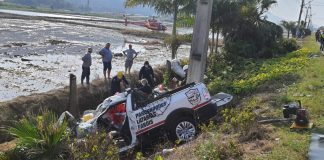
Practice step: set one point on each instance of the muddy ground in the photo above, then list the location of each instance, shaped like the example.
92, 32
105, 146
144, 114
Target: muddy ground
37, 56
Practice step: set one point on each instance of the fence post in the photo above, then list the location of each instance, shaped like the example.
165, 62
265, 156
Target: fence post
73, 97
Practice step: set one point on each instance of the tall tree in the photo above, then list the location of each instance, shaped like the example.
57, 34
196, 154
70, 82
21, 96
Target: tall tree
168, 7
289, 26
252, 35
223, 18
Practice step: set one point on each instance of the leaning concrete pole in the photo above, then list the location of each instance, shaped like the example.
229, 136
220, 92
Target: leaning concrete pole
200, 40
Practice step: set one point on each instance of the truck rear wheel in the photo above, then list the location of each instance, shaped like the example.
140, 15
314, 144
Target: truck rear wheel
183, 129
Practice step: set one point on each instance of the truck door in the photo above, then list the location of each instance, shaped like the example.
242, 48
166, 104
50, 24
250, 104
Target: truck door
131, 119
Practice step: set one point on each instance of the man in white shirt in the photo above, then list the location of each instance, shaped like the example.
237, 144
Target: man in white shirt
130, 54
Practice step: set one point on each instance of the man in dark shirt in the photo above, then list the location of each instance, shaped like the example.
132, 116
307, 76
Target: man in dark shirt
86, 66
115, 83
147, 73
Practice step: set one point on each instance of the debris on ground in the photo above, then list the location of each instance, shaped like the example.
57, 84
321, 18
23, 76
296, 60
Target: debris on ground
56, 42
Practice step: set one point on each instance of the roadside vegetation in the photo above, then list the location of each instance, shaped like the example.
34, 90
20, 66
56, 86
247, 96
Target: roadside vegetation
43, 137
261, 68
271, 83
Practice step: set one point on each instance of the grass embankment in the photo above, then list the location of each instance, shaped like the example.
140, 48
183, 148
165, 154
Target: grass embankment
262, 88
309, 88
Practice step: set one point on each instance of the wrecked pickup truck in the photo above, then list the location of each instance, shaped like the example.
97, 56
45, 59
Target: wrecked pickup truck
135, 116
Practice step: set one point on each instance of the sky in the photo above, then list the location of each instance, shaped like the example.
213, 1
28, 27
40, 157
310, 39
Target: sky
289, 10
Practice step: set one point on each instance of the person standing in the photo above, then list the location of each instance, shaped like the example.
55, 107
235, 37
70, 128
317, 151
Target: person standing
322, 41
106, 55
318, 35
147, 73
87, 61
115, 83
129, 53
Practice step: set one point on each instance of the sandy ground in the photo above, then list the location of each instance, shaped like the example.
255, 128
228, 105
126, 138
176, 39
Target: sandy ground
38, 56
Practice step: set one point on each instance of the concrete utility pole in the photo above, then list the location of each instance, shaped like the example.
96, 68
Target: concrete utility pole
306, 16
300, 14
200, 40
310, 16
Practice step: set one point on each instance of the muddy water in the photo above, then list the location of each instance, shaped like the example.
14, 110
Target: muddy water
37, 56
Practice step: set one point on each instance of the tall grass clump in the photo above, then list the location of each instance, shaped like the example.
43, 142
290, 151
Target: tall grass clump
217, 147
41, 137
94, 146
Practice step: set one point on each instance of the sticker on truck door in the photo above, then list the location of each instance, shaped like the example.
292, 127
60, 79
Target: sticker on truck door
193, 96
145, 117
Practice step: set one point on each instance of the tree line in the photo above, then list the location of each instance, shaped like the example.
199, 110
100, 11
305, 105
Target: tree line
245, 30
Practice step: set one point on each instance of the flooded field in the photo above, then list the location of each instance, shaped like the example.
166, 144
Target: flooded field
38, 56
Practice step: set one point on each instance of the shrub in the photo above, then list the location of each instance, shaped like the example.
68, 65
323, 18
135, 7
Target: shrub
287, 45
95, 146
245, 76
41, 137
14, 154
307, 32
239, 120
181, 39
251, 40
217, 148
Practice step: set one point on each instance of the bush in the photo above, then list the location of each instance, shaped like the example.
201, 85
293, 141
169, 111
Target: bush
14, 154
41, 137
181, 39
308, 32
217, 148
287, 45
246, 75
253, 41
239, 120
95, 146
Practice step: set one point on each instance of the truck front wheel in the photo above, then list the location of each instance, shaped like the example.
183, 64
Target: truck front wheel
183, 129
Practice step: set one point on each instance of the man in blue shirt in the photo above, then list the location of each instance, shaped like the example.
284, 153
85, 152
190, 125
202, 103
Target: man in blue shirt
106, 59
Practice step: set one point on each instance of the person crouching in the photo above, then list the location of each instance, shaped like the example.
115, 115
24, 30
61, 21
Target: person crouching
115, 83
146, 88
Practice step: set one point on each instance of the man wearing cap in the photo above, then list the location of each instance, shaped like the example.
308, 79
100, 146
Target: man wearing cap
129, 53
115, 83
86, 66
106, 55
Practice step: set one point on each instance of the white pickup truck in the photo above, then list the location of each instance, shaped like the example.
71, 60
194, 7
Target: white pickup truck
136, 117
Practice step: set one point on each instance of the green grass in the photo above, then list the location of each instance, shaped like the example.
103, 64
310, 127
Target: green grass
291, 145
309, 88
272, 83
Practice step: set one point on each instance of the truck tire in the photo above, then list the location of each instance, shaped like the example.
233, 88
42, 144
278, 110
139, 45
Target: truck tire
183, 129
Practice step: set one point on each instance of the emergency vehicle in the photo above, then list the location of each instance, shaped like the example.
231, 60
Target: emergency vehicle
136, 117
